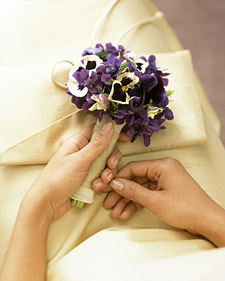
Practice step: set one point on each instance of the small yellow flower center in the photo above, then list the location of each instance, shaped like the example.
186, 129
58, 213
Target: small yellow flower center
123, 89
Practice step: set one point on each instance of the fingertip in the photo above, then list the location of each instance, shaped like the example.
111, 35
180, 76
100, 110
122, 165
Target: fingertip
124, 216
97, 184
111, 200
123, 137
108, 174
114, 159
107, 205
112, 163
113, 215
117, 185
118, 209
107, 129
128, 212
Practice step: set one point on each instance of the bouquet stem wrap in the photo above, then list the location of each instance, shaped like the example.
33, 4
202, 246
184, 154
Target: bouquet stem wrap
85, 193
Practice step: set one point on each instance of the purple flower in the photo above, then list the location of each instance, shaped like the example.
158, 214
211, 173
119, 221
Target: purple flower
127, 88
110, 49
91, 51
81, 76
76, 83
91, 62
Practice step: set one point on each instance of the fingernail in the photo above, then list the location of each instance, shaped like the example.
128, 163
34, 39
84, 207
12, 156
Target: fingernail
117, 185
115, 162
106, 128
98, 185
109, 177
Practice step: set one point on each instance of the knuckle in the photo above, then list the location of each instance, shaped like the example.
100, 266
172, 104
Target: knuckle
97, 143
132, 190
131, 164
169, 162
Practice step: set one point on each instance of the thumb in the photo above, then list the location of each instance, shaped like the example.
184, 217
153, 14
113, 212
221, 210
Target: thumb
133, 191
98, 144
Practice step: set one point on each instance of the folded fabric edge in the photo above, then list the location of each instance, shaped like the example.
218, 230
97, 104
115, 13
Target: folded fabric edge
41, 157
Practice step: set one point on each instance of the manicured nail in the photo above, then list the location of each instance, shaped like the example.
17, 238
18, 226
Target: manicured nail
117, 185
106, 128
109, 177
98, 185
115, 162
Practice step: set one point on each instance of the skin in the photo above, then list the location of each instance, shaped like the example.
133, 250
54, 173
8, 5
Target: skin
165, 188
48, 199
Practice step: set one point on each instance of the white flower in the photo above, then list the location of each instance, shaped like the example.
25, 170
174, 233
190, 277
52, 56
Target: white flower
72, 70
124, 81
131, 56
118, 93
153, 111
126, 77
91, 62
141, 65
102, 102
74, 90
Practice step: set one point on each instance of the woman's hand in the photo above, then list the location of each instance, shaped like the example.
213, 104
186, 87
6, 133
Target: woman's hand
101, 183
67, 170
122, 207
165, 188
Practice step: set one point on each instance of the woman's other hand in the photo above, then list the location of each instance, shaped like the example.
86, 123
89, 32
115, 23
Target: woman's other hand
165, 188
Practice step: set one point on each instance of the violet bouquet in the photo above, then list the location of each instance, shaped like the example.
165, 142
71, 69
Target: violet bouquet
116, 84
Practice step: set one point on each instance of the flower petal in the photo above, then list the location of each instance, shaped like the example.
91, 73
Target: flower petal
74, 90
117, 95
91, 61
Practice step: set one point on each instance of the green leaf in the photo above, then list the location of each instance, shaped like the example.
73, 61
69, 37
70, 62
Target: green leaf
109, 82
114, 104
169, 92
122, 66
102, 55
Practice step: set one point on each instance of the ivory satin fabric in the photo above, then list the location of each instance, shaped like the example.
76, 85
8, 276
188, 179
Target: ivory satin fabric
33, 125
53, 118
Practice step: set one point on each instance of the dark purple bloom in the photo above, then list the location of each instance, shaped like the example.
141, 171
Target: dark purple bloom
128, 89
81, 76
110, 49
168, 114
105, 77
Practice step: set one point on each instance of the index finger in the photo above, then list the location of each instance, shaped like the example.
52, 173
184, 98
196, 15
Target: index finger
147, 168
123, 137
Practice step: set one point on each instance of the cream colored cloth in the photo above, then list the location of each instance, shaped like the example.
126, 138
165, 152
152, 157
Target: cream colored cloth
32, 103
55, 35
205, 162
139, 254
50, 107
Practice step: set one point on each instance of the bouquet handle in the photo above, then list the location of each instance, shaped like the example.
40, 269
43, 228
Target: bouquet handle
85, 194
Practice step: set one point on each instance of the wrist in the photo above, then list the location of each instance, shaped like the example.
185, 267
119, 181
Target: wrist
35, 208
213, 226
